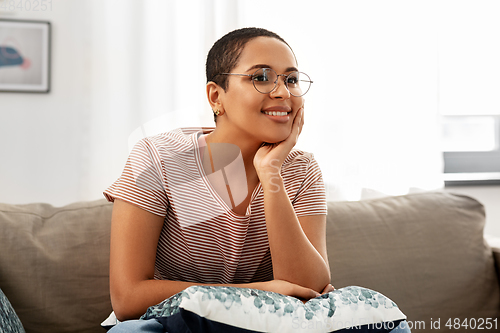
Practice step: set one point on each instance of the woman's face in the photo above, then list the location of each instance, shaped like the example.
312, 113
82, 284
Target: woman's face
245, 107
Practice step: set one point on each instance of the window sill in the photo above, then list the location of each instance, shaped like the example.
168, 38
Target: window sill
471, 179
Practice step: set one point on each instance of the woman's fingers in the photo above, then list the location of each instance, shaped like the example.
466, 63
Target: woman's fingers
305, 293
290, 289
301, 119
298, 122
328, 288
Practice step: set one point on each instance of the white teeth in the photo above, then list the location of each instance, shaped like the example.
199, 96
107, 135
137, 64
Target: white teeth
274, 113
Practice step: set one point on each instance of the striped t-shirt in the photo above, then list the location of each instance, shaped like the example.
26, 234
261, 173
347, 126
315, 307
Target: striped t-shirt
202, 239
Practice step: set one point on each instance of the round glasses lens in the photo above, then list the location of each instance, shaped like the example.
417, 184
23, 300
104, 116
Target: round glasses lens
264, 80
298, 83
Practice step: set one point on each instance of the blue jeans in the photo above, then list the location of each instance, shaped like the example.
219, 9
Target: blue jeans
150, 325
153, 326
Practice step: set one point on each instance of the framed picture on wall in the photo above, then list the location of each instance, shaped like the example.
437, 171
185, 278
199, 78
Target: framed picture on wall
24, 56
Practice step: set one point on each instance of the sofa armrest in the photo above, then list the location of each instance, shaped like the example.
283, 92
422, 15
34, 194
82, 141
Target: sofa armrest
494, 243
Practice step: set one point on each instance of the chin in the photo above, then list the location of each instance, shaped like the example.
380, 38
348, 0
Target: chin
276, 139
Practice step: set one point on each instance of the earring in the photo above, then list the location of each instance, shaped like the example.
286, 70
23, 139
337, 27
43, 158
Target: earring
217, 112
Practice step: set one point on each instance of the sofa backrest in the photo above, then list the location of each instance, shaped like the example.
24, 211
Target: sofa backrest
54, 264
425, 251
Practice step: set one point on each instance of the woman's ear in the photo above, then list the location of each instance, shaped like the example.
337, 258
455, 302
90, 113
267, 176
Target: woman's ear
214, 95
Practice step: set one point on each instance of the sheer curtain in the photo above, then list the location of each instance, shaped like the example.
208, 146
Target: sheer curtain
147, 77
371, 115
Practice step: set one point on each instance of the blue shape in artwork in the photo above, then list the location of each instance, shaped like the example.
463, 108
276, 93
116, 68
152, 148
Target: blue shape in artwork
10, 57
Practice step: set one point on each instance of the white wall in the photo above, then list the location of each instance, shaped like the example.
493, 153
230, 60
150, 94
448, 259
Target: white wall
41, 134
48, 141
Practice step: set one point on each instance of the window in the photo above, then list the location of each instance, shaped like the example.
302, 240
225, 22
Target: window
471, 149
469, 91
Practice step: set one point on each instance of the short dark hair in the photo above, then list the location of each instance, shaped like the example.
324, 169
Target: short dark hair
225, 53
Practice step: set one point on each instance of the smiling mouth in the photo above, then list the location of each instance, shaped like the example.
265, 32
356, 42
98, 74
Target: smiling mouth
276, 113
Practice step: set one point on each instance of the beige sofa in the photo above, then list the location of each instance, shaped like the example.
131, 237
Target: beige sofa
425, 251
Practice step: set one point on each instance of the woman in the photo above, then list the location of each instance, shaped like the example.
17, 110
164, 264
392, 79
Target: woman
234, 205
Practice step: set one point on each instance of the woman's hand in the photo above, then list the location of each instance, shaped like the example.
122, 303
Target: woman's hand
328, 288
286, 288
291, 289
270, 157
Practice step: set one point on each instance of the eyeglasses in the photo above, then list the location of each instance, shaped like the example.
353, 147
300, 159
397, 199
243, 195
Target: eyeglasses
265, 81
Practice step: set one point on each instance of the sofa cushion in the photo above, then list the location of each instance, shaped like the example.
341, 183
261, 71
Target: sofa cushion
54, 264
425, 251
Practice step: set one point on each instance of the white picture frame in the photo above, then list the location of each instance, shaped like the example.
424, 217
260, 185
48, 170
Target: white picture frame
24, 56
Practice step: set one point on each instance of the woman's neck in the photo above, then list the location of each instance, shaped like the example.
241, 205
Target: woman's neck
247, 146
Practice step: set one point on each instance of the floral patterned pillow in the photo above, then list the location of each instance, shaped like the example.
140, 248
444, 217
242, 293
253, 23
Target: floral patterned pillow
230, 309
9, 321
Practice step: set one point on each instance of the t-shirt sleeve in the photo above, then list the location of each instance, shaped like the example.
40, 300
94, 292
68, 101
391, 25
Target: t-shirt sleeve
141, 182
311, 196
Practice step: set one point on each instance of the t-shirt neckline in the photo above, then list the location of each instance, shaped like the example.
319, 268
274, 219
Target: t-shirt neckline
199, 164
